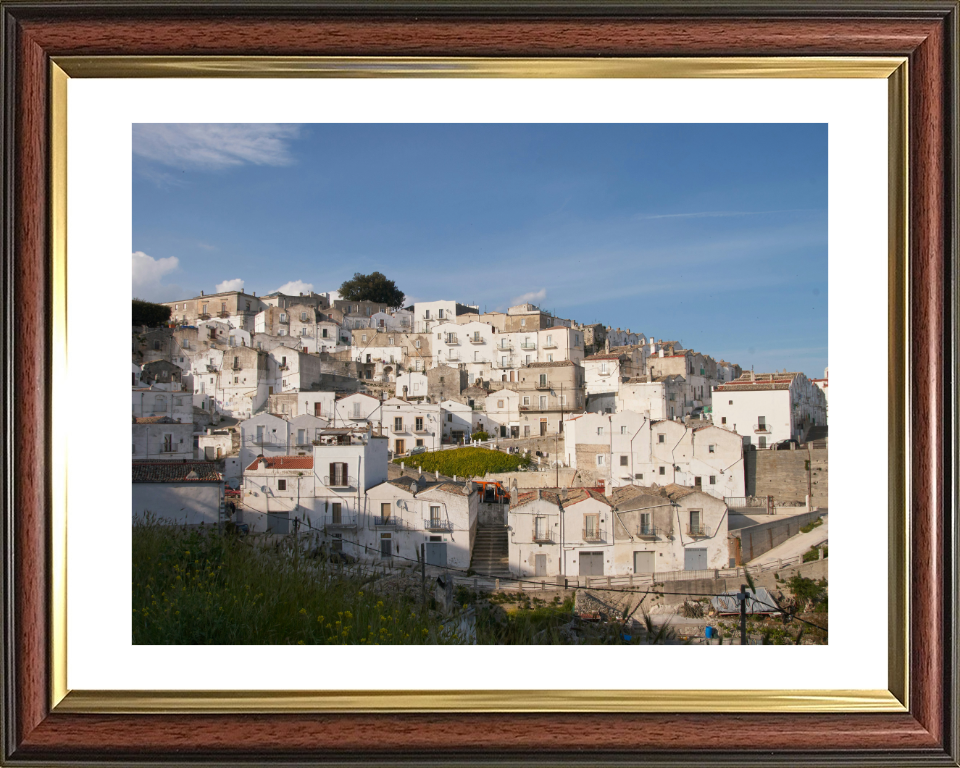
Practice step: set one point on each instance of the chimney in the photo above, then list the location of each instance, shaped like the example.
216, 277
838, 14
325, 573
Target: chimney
753, 376
606, 345
201, 293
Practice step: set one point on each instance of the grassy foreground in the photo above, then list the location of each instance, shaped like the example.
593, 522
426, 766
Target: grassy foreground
466, 462
199, 587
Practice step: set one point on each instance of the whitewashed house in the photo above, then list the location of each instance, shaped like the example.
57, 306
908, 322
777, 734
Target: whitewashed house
292, 370
316, 403
279, 495
412, 385
668, 529
459, 421
404, 515
627, 448
766, 408
502, 410
163, 438
657, 397
263, 434
358, 409
158, 400
305, 431
566, 533
178, 492
410, 425
213, 445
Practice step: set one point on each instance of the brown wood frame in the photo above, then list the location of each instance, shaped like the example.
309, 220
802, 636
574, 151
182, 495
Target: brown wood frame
925, 32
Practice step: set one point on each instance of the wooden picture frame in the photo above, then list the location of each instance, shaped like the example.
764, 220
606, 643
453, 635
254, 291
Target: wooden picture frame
36, 34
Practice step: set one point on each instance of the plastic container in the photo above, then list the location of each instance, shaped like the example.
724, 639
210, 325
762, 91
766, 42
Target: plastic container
708, 633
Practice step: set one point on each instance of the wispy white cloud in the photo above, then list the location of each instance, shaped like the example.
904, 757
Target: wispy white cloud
213, 146
716, 214
295, 287
230, 285
530, 297
148, 274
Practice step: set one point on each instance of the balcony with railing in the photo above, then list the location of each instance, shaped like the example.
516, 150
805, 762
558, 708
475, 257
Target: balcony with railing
437, 524
505, 345
528, 345
762, 428
387, 521
697, 531
356, 416
594, 535
648, 532
543, 385
223, 313
340, 481
341, 522
204, 315
455, 356
549, 345
476, 340
452, 341
542, 536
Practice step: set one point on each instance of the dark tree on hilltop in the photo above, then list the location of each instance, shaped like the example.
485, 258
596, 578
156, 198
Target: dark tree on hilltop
149, 314
372, 287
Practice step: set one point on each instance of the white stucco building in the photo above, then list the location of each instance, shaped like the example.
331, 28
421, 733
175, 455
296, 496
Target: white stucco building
178, 492
627, 448
766, 408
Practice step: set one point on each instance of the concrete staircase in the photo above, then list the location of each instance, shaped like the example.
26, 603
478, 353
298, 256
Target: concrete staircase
491, 551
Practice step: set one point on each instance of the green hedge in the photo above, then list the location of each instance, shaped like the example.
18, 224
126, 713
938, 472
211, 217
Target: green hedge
466, 462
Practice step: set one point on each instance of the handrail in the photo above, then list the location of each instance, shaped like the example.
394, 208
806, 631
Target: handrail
594, 535
542, 537
340, 481
436, 524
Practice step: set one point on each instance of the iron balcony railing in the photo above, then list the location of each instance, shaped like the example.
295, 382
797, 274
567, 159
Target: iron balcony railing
648, 532
528, 345
436, 524
452, 340
340, 481
476, 340
549, 345
761, 428
543, 386
341, 523
265, 442
505, 345
593, 535
387, 521
542, 536
696, 530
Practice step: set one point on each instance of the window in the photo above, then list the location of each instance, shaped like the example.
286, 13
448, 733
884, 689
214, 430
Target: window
624, 460
600, 459
398, 424
711, 449
336, 513
661, 438
419, 443
696, 521
449, 417
730, 402
434, 516
663, 470
523, 321
763, 441
281, 485
283, 317
440, 314
416, 365
499, 403
384, 511
723, 419
543, 379
549, 358
303, 316
638, 476
543, 402
338, 473
526, 401
223, 306
646, 523
236, 379
426, 314
324, 332
336, 543
599, 430
623, 430
417, 343
419, 423
156, 345
363, 337
603, 367
713, 479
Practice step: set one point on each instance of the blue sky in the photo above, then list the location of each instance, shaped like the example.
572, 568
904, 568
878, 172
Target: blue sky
714, 235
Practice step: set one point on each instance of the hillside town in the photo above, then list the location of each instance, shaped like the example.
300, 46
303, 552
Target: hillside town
311, 415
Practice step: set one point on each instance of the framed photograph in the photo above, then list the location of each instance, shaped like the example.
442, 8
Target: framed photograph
107, 111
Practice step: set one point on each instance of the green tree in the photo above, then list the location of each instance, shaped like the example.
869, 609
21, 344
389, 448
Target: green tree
373, 287
149, 314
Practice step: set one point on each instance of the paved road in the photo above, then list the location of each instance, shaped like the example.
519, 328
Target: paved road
795, 546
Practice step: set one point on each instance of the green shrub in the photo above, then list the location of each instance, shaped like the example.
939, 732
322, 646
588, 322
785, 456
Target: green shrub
466, 462
481, 435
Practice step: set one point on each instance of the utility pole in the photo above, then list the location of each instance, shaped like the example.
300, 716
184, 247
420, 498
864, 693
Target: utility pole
743, 614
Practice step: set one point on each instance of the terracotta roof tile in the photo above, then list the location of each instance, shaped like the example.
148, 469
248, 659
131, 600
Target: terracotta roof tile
283, 462
176, 472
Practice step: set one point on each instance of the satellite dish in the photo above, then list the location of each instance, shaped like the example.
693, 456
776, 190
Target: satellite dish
233, 483
263, 488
